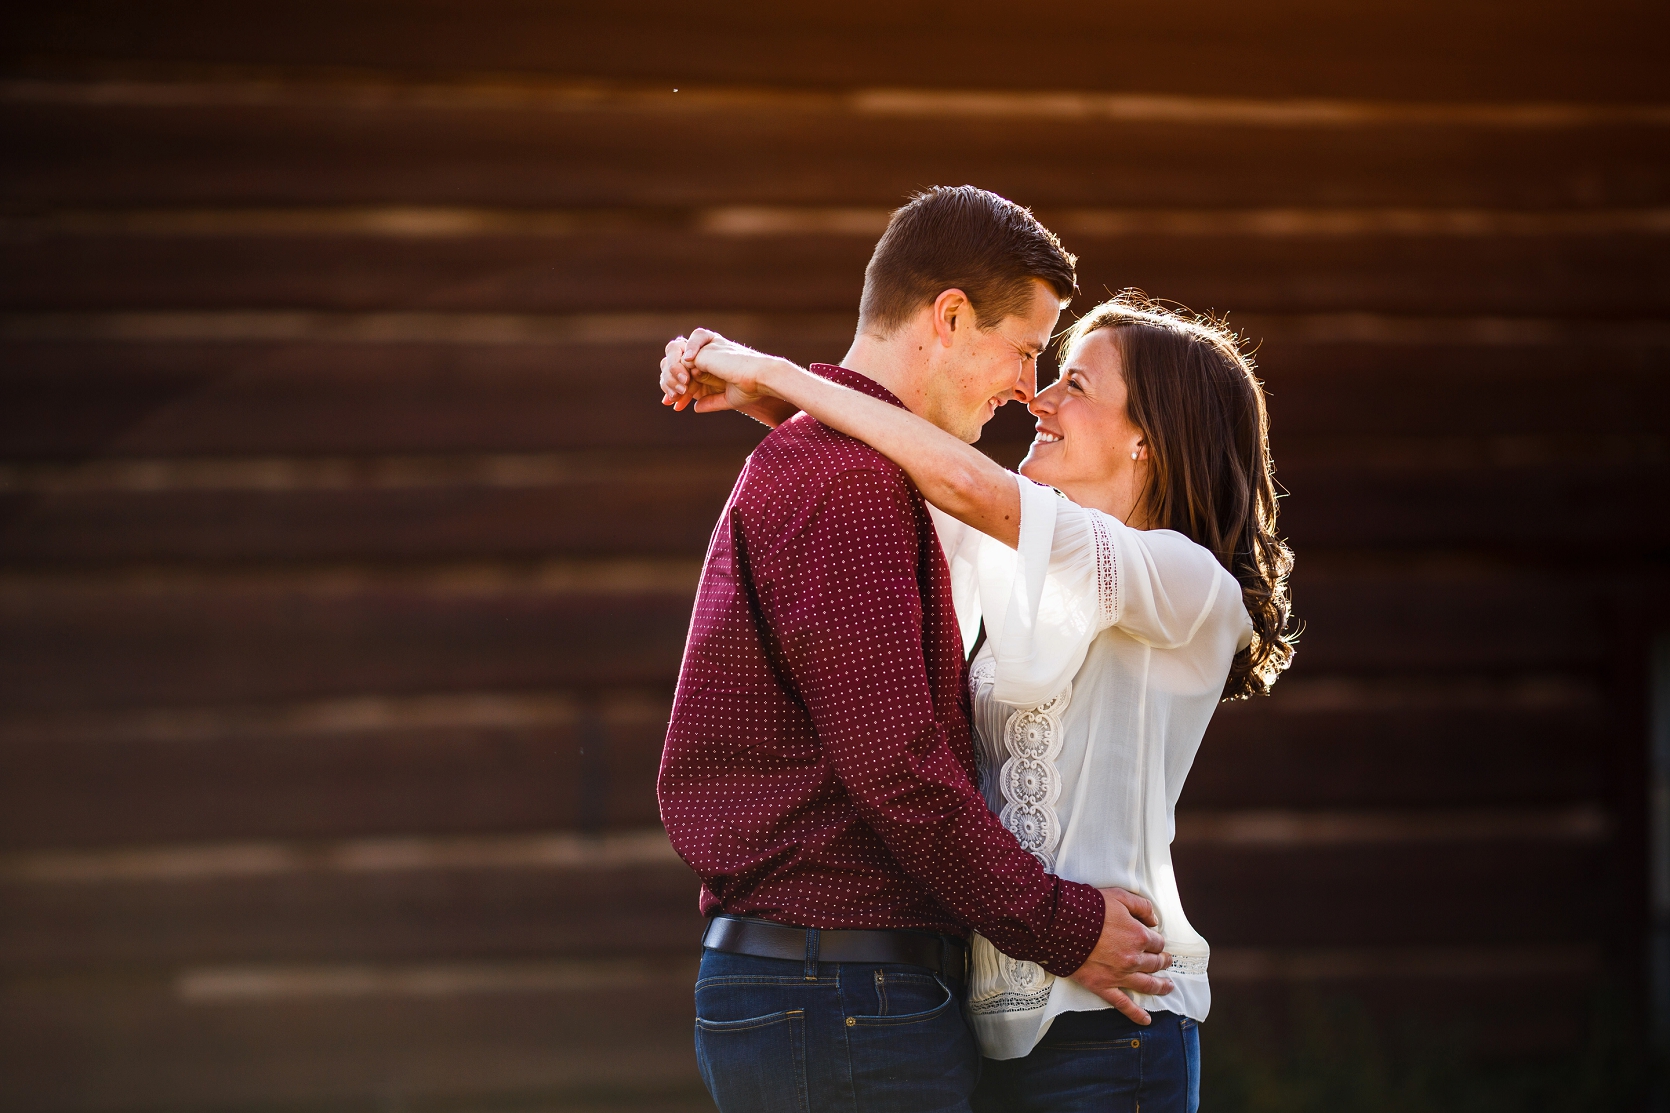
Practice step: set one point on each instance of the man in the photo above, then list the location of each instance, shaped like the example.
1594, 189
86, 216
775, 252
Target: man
819, 775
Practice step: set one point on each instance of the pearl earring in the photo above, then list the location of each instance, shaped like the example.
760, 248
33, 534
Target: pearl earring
1133, 455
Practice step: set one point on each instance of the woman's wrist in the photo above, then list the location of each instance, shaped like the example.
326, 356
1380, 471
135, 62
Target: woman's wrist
780, 377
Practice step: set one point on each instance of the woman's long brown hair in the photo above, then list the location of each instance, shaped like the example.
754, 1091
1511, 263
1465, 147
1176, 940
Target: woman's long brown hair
1191, 390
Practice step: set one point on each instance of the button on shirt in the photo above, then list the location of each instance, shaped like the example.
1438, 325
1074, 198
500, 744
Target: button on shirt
819, 769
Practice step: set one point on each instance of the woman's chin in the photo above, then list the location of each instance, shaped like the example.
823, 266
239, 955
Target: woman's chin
1035, 469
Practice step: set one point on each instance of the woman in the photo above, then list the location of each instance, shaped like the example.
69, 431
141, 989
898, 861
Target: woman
1117, 615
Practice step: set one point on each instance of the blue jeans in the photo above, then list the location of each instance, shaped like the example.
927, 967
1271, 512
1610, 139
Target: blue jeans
777, 1036
1100, 1061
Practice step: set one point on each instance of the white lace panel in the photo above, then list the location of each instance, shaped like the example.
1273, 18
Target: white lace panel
1029, 786
1187, 964
1029, 782
981, 676
1107, 572
1000, 984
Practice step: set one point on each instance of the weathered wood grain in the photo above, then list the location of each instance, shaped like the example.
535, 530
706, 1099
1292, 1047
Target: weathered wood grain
1491, 51
184, 640
194, 638
68, 400
1493, 893
1374, 896
404, 915
485, 762
1263, 754
669, 516
342, 588
675, 269
316, 149
507, 762
136, 1042
92, 1046
452, 509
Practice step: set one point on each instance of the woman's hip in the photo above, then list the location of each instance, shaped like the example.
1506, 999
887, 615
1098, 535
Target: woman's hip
1100, 1061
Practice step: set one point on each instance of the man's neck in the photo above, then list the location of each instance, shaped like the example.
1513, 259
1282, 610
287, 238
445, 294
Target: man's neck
896, 363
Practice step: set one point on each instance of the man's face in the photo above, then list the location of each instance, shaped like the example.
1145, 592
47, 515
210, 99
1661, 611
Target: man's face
982, 369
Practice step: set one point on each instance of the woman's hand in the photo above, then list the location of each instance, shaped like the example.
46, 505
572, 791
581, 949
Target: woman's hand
711, 373
714, 373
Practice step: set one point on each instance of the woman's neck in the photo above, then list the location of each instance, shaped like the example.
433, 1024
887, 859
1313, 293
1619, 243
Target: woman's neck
1116, 495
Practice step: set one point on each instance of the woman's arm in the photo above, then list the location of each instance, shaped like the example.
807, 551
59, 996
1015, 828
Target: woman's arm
956, 477
770, 412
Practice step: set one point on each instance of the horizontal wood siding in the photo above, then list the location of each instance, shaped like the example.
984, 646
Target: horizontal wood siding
346, 555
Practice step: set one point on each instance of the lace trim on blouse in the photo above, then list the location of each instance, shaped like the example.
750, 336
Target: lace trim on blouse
1030, 786
1001, 984
1107, 572
1029, 781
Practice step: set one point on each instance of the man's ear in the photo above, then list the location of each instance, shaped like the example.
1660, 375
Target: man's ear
951, 311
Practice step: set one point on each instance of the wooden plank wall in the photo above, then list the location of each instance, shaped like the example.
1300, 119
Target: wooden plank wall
345, 554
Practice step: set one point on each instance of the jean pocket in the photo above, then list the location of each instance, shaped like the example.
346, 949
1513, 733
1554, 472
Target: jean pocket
755, 1065
907, 999
903, 994
914, 1061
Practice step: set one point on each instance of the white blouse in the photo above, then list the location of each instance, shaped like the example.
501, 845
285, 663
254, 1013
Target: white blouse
1106, 653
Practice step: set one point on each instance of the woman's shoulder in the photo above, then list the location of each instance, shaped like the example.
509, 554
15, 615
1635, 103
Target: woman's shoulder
1162, 546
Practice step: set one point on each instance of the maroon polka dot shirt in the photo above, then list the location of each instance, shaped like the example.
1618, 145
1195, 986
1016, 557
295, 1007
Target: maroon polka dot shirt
819, 770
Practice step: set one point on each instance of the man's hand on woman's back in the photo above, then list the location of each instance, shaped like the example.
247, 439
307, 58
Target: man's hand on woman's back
1127, 956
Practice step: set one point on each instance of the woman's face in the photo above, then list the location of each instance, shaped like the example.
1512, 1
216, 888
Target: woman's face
1085, 439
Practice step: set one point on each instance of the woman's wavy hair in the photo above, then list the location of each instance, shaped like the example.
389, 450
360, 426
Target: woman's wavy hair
1192, 391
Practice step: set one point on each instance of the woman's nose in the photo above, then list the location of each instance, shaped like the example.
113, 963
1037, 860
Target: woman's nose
1041, 403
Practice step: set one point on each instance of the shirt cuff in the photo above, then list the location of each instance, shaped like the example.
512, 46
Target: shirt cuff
1080, 914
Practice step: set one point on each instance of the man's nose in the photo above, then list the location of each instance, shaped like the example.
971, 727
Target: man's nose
1026, 387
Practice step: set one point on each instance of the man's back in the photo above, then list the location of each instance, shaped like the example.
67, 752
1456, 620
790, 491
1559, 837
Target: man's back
824, 614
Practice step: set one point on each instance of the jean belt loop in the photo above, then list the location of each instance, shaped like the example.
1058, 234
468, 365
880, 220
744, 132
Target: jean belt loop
812, 954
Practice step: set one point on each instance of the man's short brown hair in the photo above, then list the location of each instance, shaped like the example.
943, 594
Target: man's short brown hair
964, 238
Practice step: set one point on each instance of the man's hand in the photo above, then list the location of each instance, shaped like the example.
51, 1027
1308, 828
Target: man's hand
1127, 955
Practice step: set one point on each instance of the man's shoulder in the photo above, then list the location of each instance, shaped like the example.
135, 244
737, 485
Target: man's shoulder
806, 452
804, 470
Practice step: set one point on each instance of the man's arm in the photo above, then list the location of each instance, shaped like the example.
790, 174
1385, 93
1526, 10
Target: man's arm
838, 588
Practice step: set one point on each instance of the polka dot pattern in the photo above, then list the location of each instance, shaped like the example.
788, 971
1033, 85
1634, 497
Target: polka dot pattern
818, 768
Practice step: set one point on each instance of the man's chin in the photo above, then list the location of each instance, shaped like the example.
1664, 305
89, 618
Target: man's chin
978, 422
969, 432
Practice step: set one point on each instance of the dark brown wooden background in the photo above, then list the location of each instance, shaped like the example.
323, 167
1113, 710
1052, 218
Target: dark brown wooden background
346, 555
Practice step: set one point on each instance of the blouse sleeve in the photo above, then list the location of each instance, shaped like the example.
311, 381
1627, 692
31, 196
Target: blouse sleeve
1074, 573
961, 545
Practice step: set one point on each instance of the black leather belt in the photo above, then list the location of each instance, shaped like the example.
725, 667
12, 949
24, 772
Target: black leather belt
945, 955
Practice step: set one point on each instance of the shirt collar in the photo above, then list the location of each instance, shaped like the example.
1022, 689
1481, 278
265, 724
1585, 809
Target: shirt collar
850, 378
